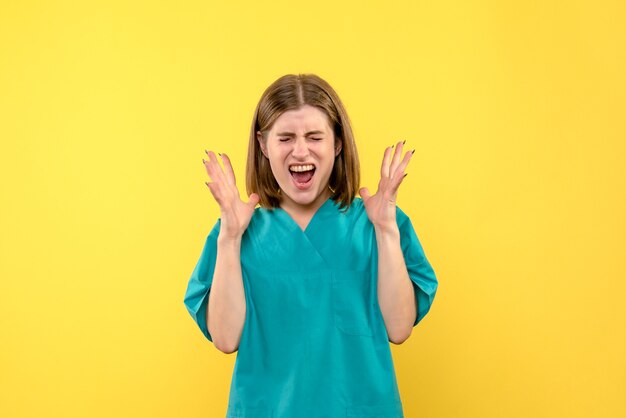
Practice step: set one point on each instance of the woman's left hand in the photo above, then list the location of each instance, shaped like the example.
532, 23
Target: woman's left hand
381, 207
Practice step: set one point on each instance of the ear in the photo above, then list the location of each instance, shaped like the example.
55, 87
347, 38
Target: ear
338, 146
262, 144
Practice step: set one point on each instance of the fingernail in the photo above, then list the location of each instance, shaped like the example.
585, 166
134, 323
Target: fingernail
219, 154
207, 183
404, 142
203, 162
207, 152
393, 145
405, 175
412, 151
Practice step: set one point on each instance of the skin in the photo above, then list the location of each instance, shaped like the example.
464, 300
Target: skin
301, 136
310, 139
396, 297
226, 310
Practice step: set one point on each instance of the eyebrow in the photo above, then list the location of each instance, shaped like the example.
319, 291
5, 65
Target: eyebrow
292, 134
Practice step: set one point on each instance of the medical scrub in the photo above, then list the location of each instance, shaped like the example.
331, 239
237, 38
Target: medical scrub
314, 342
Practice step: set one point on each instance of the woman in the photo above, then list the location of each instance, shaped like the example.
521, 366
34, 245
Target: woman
311, 287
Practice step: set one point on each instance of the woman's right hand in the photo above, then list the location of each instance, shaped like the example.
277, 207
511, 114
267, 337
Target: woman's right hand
235, 213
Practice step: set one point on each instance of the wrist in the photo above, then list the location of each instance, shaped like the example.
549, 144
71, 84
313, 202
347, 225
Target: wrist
390, 231
226, 241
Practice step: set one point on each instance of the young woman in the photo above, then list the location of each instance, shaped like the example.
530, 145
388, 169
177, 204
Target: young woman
311, 287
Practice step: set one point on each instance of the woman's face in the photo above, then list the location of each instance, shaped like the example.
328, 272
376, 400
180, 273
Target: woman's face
301, 150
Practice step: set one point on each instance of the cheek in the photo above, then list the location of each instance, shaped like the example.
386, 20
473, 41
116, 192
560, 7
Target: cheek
277, 159
278, 152
329, 157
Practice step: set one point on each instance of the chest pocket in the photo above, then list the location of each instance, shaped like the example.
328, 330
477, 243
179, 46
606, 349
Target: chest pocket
353, 302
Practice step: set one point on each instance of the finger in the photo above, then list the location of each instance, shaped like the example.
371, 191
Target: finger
396, 185
218, 188
215, 192
254, 200
384, 168
216, 168
230, 173
365, 194
395, 161
405, 161
210, 170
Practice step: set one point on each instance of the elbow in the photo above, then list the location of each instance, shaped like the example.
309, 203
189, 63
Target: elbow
401, 335
223, 344
397, 340
226, 348
400, 331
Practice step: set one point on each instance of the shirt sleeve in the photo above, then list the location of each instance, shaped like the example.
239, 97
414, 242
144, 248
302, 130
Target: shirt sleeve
420, 271
197, 295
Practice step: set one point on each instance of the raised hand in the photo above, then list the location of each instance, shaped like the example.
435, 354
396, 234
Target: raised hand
235, 213
381, 207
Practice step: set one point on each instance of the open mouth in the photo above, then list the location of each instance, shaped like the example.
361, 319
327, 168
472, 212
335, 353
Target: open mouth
302, 174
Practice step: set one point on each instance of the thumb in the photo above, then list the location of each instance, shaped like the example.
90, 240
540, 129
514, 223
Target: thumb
365, 193
254, 200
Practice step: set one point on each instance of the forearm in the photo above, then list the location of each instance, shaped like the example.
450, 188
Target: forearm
396, 297
226, 310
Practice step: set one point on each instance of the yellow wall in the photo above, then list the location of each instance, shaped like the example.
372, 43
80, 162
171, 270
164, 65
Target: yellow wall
516, 190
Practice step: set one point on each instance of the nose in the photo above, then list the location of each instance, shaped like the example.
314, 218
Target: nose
300, 148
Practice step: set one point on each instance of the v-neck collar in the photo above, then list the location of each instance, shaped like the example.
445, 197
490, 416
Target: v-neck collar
324, 208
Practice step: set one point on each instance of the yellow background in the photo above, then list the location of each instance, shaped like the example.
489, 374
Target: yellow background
516, 190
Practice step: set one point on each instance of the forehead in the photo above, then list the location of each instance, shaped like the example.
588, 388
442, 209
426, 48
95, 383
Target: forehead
305, 118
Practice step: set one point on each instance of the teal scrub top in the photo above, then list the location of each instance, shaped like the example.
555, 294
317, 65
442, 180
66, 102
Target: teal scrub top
314, 342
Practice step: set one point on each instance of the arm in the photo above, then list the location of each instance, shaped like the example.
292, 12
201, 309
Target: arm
396, 296
395, 290
226, 310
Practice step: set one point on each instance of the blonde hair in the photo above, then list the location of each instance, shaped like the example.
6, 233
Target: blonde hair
290, 92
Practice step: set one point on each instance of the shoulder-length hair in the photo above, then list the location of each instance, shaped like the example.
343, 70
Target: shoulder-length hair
290, 92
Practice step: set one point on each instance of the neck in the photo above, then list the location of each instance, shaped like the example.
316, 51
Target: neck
296, 209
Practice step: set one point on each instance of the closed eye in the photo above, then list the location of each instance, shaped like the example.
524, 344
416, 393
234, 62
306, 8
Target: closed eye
287, 139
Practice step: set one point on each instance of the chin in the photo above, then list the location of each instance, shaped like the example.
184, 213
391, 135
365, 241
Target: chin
303, 198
